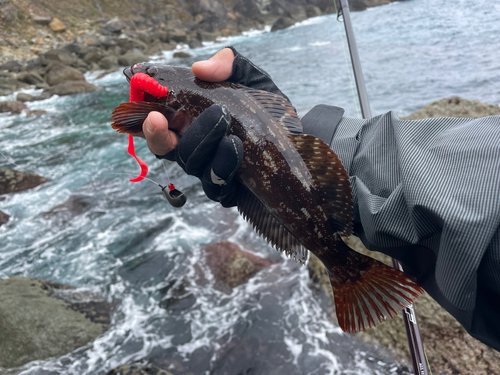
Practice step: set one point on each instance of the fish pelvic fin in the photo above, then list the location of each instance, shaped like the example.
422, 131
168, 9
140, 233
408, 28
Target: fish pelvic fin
379, 293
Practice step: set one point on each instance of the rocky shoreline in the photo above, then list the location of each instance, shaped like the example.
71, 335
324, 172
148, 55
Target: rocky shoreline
50, 48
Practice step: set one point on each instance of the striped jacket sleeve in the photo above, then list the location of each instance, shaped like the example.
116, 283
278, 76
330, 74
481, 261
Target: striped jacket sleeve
427, 192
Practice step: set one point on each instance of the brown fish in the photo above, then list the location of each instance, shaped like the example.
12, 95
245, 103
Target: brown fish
297, 193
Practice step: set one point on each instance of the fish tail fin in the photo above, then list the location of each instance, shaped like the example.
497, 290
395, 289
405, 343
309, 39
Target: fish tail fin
379, 293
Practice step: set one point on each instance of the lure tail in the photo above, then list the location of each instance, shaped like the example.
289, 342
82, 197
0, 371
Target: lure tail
379, 293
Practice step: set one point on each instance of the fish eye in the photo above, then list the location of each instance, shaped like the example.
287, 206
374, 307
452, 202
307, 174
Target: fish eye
151, 71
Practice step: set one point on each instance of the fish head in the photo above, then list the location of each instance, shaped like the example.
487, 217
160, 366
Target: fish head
154, 87
172, 77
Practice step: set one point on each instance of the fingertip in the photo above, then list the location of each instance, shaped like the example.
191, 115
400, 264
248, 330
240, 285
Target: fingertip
155, 122
160, 139
215, 69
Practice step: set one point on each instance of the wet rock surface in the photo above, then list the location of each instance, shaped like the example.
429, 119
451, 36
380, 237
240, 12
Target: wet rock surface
449, 348
232, 266
12, 106
41, 319
4, 218
12, 181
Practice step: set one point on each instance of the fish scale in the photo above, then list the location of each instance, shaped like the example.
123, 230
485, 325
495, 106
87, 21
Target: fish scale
296, 192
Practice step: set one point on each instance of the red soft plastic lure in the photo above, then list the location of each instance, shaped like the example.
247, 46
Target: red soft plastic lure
139, 83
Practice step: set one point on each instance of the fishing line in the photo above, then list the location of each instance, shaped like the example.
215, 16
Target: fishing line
9, 160
175, 197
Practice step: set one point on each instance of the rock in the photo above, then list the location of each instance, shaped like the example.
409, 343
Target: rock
131, 57
9, 13
11, 84
93, 56
12, 106
59, 73
12, 66
59, 55
182, 55
138, 370
12, 181
57, 25
455, 107
72, 48
178, 36
357, 5
195, 43
231, 265
42, 319
312, 11
249, 9
35, 113
282, 23
70, 88
23, 97
31, 78
42, 20
114, 25
64, 212
4, 218
109, 62
35, 63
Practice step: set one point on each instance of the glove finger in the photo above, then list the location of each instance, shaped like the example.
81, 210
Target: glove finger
227, 160
217, 180
199, 142
247, 73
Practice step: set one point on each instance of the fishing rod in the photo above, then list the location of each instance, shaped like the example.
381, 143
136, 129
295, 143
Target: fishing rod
417, 353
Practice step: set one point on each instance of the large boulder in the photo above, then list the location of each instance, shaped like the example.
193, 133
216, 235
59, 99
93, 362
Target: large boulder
12, 106
455, 107
12, 180
131, 57
114, 26
231, 265
282, 23
41, 319
70, 88
59, 73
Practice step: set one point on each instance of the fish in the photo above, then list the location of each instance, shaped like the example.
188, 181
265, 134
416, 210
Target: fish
296, 193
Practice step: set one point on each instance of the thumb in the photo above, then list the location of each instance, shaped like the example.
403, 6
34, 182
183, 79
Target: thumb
160, 139
215, 69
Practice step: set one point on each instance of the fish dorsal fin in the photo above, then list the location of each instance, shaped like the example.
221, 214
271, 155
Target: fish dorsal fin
330, 179
268, 227
279, 107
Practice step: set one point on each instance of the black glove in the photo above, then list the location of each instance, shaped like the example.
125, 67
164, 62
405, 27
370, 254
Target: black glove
206, 152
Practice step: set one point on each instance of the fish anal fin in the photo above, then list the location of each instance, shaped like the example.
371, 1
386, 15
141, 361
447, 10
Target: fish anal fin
330, 178
129, 117
269, 227
379, 293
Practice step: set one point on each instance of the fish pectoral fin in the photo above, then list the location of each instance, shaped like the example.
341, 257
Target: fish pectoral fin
269, 227
379, 293
129, 117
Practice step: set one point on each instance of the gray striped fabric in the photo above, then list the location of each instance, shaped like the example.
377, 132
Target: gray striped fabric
432, 183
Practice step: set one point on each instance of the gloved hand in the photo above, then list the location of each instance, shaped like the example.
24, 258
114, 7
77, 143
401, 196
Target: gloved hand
204, 150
